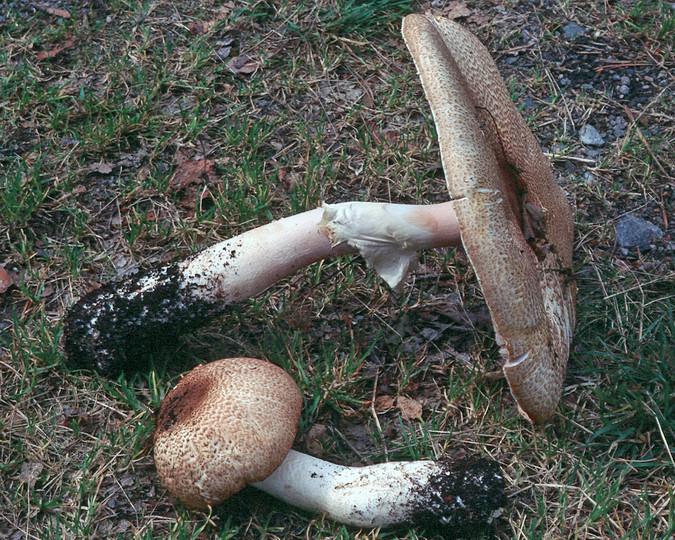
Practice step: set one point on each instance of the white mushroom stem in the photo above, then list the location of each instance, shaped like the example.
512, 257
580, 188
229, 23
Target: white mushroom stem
391, 493
388, 236
118, 321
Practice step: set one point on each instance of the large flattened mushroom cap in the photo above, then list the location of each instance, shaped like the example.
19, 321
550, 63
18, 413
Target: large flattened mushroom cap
224, 425
516, 223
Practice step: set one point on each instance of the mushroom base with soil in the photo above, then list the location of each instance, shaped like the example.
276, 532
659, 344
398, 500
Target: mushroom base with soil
460, 496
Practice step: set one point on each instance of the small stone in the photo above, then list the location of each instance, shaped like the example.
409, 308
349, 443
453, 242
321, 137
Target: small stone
590, 178
620, 121
589, 135
529, 103
633, 231
222, 53
67, 140
572, 30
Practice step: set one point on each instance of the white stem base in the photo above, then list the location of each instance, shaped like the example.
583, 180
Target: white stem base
389, 493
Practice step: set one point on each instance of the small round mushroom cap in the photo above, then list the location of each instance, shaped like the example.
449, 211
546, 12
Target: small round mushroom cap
224, 425
516, 224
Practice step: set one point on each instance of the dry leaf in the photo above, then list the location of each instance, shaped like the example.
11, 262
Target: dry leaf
383, 403
101, 168
242, 64
190, 172
315, 438
5, 280
52, 10
479, 19
224, 11
222, 53
123, 526
455, 10
198, 28
143, 173
30, 472
47, 291
190, 177
92, 285
410, 408
55, 50
390, 135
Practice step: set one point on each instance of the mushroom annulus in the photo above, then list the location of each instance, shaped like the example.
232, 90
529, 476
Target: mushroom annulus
232, 422
506, 210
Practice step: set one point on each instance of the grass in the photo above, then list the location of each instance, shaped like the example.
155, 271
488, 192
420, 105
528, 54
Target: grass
129, 139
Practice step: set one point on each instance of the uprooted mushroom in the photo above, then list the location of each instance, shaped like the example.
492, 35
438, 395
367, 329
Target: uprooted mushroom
232, 422
514, 221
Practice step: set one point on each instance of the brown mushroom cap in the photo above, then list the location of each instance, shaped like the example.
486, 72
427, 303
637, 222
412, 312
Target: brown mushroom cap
515, 221
224, 425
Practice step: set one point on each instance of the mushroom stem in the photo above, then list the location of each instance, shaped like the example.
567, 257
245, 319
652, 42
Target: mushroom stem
455, 495
109, 328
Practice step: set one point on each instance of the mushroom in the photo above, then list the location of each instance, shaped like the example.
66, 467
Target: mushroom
514, 222
232, 422
111, 328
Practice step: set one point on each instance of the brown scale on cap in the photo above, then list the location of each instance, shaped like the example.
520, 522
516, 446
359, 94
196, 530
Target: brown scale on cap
181, 403
225, 424
515, 221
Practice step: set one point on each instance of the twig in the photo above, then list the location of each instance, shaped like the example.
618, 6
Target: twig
631, 117
51, 10
377, 420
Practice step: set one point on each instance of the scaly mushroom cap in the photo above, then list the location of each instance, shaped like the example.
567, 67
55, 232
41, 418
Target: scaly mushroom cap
516, 224
224, 425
